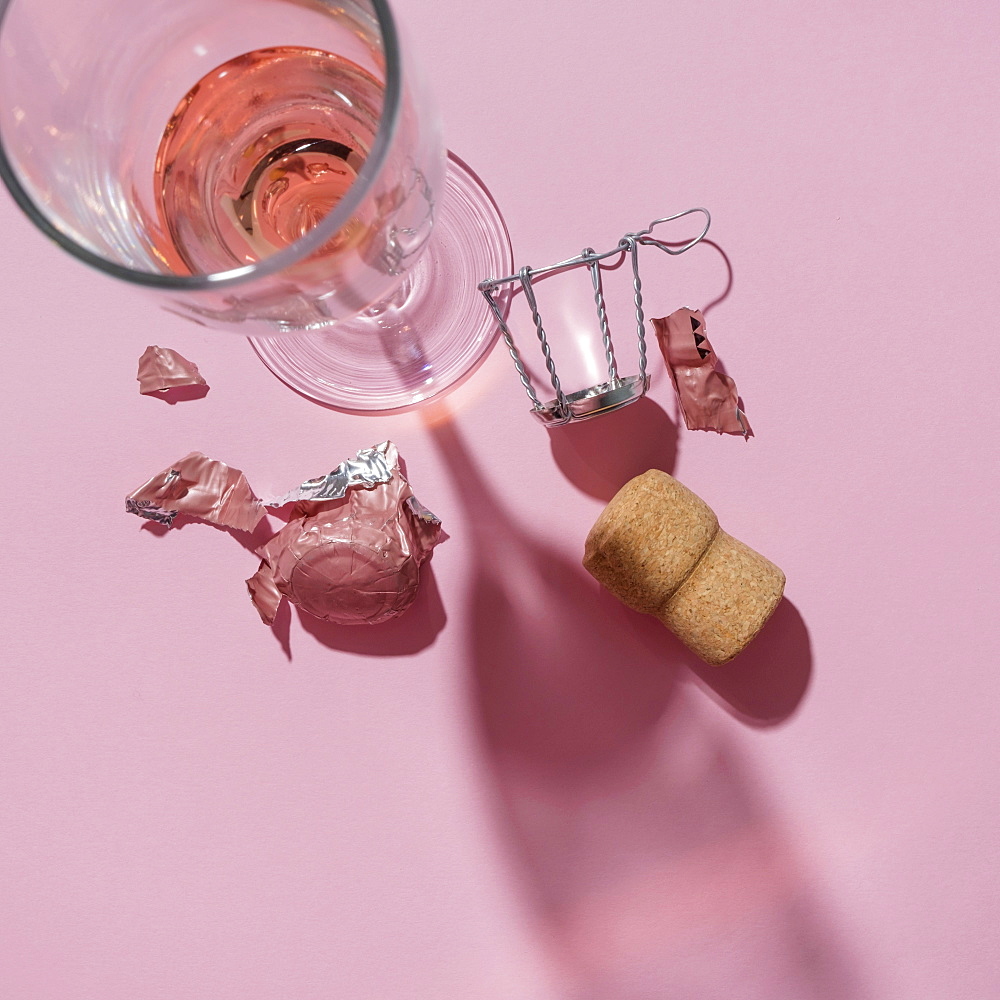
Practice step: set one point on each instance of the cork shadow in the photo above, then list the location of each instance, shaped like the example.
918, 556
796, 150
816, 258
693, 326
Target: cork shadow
762, 687
765, 685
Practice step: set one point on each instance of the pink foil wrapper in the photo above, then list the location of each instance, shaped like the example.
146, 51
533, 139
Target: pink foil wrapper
354, 559
200, 487
161, 368
709, 399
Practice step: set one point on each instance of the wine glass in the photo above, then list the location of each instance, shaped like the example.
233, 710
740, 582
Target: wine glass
272, 167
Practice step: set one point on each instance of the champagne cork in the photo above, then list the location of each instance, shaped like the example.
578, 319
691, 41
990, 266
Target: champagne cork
659, 549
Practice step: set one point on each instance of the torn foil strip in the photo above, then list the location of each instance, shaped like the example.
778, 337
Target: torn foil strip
708, 398
200, 487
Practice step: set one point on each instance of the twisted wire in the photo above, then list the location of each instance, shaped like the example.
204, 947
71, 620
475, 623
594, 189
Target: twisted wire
512, 349
525, 275
602, 315
633, 248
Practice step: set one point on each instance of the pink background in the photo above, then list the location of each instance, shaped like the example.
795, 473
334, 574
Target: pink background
522, 789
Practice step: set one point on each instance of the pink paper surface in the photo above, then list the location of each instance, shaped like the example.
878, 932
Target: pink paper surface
519, 789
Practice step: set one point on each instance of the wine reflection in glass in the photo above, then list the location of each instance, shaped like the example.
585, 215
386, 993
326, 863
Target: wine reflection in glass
274, 167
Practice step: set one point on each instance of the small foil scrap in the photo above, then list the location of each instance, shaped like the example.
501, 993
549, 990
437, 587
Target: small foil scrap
709, 399
200, 487
160, 368
352, 552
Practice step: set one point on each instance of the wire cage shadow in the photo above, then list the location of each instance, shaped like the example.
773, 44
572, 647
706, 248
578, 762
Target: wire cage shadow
618, 390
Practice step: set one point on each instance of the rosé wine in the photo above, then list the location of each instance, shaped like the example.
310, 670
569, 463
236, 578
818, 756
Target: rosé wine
259, 151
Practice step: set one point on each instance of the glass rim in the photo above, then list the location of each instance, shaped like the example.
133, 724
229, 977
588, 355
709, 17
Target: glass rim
302, 248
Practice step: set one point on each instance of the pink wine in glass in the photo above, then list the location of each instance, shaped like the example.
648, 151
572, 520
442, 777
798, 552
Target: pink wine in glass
259, 151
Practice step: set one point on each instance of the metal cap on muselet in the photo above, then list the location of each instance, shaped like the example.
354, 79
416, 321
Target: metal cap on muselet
659, 549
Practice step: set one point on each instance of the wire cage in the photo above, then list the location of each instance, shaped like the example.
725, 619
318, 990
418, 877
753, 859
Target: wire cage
618, 390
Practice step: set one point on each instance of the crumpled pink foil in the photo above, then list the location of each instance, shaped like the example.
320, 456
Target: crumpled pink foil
200, 487
351, 552
161, 368
708, 398
354, 559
